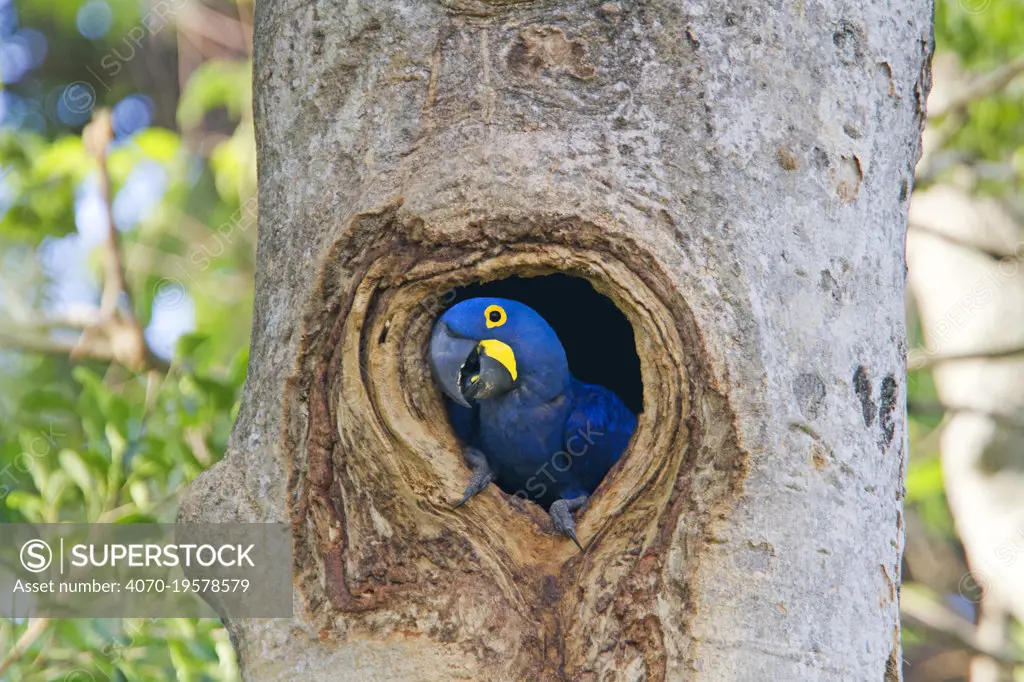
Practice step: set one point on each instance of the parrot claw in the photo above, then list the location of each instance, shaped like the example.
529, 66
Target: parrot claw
482, 475
572, 534
561, 516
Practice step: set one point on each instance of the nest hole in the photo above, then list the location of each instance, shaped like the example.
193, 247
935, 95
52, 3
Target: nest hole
598, 339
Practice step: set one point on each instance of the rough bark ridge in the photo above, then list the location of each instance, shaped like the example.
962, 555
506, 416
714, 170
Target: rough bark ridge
735, 179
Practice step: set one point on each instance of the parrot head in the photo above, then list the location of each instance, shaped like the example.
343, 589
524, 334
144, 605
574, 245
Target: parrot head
483, 348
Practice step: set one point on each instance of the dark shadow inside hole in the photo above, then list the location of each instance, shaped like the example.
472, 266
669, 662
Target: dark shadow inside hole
597, 337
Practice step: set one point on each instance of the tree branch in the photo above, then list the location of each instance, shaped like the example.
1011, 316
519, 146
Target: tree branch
920, 610
96, 136
927, 361
962, 242
209, 24
34, 343
95, 346
116, 334
931, 407
981, 87
36, 627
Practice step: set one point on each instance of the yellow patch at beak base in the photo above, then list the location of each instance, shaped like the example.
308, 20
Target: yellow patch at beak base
501, 352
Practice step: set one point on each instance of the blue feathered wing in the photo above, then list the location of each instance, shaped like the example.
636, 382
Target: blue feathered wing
596, 434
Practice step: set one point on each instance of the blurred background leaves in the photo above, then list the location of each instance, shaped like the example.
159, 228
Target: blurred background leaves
956, 624
94, 426
107, 412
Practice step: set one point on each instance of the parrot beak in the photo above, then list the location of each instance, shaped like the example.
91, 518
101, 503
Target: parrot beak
467, 368
448, 354
484, 376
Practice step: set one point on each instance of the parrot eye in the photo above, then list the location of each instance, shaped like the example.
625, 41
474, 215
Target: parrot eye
495, 315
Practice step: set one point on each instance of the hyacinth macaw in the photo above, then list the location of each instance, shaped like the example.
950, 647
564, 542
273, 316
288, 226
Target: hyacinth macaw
525, 422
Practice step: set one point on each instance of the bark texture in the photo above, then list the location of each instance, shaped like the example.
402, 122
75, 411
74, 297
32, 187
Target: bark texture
735, 178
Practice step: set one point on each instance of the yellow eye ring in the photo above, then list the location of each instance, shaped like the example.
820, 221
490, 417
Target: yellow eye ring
494, 316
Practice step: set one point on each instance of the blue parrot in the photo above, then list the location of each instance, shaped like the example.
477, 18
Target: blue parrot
525, 422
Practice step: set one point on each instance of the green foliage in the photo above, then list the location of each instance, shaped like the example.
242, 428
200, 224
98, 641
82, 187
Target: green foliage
234, 163
190, 649
222, 84
985, 35
120, 448
117, 446
89, 440
39, 178
215, 84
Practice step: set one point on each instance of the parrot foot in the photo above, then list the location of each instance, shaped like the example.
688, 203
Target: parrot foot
482, 474
561, 515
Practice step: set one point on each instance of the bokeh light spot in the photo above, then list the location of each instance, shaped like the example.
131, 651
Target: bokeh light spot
75, 104
8, 19
141, 193
132, 114
36, 43
15, 60
94, 19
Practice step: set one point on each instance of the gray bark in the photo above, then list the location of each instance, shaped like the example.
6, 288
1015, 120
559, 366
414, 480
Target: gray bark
735, 179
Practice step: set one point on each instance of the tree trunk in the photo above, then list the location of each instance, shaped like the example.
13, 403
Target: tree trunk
735, 179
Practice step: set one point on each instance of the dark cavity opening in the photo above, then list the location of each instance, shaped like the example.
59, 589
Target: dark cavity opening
597, 337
